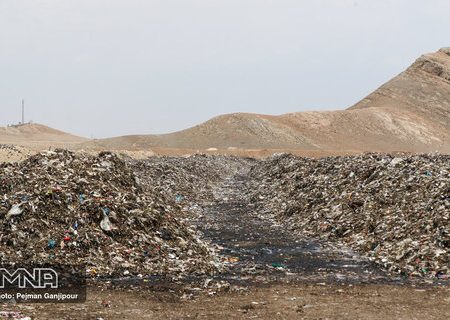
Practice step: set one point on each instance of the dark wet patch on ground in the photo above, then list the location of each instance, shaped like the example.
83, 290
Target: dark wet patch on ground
259, 250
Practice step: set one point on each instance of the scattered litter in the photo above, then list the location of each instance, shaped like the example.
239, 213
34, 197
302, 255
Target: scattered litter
88, 210
395, 210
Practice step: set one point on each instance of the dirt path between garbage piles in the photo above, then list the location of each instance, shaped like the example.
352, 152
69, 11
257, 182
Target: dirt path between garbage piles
270, 275
258, 250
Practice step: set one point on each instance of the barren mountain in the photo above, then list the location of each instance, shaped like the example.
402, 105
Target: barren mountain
409, 113
37, 136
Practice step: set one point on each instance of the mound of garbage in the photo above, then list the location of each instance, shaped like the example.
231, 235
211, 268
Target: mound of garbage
67, 208
393, 208
186, 180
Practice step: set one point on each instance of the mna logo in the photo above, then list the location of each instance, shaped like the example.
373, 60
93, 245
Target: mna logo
40, 278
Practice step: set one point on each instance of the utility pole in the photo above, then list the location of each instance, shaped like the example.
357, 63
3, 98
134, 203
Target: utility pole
23, 111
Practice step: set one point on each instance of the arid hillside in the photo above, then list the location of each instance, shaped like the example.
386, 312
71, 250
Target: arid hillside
409, 113
37, 136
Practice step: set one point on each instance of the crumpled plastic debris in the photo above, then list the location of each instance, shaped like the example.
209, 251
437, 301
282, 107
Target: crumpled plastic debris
14, 211
395, 209
106, 224
77, 209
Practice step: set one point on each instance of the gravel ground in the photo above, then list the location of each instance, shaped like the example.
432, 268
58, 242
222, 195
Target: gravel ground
294, 301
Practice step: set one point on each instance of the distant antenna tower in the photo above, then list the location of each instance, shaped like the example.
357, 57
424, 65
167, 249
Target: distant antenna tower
23, 111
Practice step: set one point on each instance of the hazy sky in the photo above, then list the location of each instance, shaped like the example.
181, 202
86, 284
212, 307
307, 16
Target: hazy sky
111, 67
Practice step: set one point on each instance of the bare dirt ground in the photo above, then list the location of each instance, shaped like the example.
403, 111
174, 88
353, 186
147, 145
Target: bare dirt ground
292, 301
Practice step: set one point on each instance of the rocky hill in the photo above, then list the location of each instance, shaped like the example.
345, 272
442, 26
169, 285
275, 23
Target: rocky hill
37, 136
409, 113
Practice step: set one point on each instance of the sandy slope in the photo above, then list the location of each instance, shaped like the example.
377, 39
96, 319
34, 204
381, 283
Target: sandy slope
409, 113
37, 135
18, 142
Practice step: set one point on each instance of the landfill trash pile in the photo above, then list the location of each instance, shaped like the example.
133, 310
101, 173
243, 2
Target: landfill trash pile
77, 209
393, 209
188, 179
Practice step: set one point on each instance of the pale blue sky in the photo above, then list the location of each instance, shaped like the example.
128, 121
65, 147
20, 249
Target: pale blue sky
113, 67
